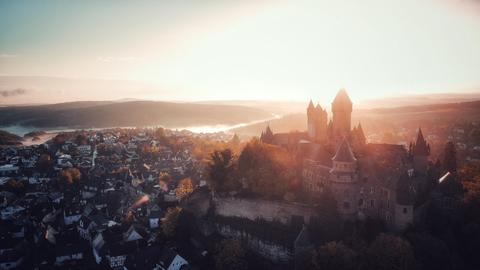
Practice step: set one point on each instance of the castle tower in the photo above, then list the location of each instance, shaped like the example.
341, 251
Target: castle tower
321, 124
342, 114
311, 117
420, 152
357, 137
267, 136
344, 180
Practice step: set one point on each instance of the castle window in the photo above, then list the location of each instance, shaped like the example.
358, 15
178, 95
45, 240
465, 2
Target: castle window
405, 210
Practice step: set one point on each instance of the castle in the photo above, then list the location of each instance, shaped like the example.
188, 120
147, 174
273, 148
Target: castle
367, 180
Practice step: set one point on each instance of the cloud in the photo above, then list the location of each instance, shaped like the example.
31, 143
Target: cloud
118, 59
13, 92
7, 55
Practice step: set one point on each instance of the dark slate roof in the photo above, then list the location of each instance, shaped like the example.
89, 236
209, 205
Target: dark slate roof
344, 153
167, 257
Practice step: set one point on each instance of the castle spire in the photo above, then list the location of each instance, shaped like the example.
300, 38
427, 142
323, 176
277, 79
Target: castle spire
421, 148
310, 105
360, 133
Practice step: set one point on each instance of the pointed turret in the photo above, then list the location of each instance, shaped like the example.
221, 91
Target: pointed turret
267, 136
310, 105
421, 148
360, 134
420, 152
344, 153
311, 120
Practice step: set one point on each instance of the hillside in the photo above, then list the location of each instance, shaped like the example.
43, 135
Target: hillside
7, 138
133, 113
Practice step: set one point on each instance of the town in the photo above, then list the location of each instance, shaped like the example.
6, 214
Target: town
95, 199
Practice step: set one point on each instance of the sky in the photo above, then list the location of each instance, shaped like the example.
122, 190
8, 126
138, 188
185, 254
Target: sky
55, 51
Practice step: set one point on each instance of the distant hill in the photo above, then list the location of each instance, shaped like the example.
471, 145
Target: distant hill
88, 114
9, 138
375, 120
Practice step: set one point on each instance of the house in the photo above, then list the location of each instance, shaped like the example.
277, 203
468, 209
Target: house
84, 150
11, 211
170, 260
71, 214
9, 169
11, 259
69, 252
87, 225
154, 218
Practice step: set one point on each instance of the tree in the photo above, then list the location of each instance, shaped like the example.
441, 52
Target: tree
159, 135
170, 221
327, 223
430, 252
70, 175
44, 163
184, 187
268, 170
450, 158
229, 254
221, 169
334, 256
15, 186
389, 252
81, 139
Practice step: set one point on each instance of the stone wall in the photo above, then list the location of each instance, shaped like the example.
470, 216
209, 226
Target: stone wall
266, 249
263, 209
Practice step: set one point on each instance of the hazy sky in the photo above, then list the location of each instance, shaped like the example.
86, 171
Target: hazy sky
199, 50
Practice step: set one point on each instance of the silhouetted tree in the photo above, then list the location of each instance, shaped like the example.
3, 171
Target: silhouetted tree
170, 221
44, 163
184, 187
334, 256
389, 252
450, 158
268, 170
221, 171
229, 254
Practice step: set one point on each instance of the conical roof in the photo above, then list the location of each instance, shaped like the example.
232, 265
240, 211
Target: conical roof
344, 153
310, 105
421, 148
360, 132
342, 97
